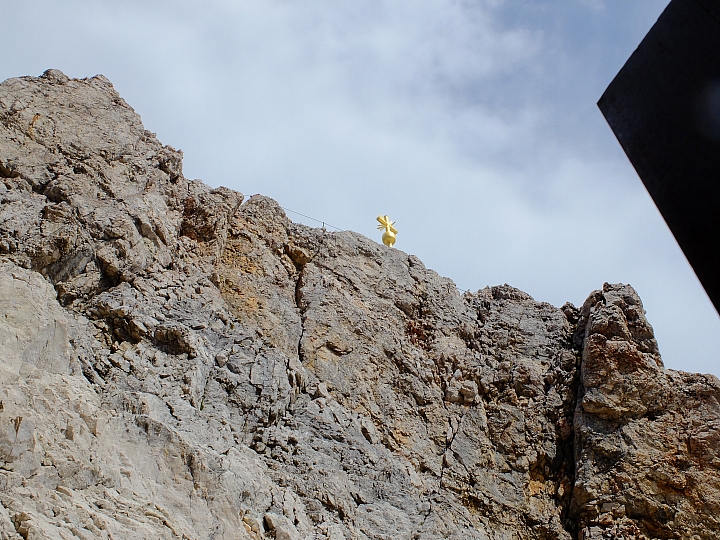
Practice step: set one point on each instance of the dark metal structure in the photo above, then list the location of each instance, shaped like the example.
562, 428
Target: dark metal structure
664, 108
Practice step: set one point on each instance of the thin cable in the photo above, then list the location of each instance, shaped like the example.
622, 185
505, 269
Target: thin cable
324, 223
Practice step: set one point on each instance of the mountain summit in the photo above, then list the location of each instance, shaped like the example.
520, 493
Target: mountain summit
179, 362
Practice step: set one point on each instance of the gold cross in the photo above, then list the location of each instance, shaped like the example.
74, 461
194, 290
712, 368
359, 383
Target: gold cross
388, 236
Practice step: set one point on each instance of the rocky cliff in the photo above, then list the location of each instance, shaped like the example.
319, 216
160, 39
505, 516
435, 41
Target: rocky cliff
178, 362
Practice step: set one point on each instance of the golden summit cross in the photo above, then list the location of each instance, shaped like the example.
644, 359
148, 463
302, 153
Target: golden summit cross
388, 236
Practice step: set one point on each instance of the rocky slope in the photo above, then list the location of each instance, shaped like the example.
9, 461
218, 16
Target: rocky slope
176, 362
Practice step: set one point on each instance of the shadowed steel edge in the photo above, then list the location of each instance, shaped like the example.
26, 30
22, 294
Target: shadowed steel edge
664, 108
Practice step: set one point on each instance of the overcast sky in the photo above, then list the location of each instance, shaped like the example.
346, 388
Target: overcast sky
472, 124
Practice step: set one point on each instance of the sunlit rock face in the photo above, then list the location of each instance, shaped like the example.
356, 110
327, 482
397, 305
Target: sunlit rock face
176, 362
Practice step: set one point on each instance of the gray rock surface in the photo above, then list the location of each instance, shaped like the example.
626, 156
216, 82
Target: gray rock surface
177, 362
647, 439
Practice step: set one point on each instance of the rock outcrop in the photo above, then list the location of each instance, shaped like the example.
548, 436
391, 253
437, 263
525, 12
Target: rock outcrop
177, 362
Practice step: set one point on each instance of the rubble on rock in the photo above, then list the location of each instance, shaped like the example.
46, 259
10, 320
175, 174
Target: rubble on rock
176, 362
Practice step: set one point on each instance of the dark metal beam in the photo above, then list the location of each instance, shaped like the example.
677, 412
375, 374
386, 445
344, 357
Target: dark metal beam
664, 108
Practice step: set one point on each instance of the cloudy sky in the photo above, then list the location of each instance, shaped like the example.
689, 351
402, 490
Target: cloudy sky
472, 123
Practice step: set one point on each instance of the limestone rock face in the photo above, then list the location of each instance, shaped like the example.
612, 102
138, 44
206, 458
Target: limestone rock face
177, 362
647, 439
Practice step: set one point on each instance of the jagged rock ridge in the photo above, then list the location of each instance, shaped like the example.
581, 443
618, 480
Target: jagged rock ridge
176, 362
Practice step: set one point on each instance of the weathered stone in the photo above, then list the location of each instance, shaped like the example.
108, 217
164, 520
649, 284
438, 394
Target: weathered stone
33, 328
178, 364
646, 438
